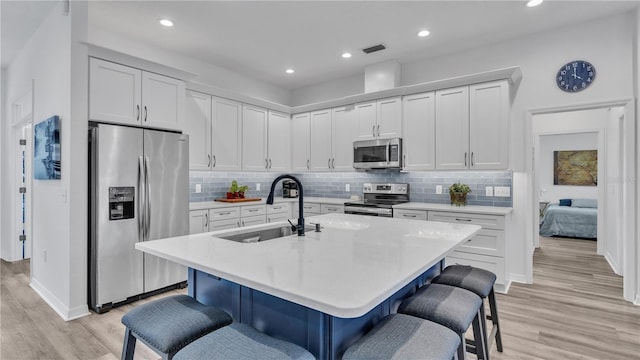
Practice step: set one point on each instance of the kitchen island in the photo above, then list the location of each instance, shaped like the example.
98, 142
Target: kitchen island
321, 291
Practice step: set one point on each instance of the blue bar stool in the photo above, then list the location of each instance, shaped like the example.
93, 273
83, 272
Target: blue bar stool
240, 341
480, 282
400, 337
168, 324
452, 307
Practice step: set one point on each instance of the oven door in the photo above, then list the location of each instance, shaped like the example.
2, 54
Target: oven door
369, 211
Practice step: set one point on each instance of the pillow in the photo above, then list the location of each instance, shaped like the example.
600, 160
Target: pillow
565, 202
584, 203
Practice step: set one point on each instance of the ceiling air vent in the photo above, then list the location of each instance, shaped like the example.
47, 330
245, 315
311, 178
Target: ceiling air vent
374, 48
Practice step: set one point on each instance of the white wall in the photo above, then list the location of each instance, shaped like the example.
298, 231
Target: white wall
328, 90
607, 43
46, 58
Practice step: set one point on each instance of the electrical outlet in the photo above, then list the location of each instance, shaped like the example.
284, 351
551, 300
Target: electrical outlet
502, 191
198, 188
488, 191
438, 189
347, 187
258, 187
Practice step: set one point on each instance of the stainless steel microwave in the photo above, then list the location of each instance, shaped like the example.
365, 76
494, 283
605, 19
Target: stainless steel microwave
378, 154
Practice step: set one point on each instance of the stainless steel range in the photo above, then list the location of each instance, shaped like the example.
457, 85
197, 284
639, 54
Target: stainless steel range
378, 199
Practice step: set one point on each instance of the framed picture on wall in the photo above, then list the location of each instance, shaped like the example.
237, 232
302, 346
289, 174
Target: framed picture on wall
46, 149
575, 167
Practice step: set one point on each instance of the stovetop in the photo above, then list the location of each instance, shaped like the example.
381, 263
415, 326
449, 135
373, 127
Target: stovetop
382, 195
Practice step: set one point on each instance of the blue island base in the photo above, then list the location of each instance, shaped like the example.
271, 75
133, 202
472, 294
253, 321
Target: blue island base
324, 335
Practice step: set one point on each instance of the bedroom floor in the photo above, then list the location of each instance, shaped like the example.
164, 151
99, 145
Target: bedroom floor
574, 310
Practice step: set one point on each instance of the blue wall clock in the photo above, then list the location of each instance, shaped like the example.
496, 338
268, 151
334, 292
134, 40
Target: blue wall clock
575, 76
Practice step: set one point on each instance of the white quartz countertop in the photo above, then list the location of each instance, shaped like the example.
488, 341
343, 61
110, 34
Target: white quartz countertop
347, 269
472, 209
307, 199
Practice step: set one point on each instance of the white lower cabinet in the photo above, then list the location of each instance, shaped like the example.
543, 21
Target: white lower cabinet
310, 209
410, 214
198, 221
236, 216
331, 209
278, 212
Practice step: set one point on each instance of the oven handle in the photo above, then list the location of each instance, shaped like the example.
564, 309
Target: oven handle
368, 210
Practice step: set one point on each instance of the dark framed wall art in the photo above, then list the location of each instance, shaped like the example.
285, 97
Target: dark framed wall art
575, 167
46, 149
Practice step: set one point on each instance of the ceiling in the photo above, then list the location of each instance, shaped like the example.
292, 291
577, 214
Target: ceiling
261, 39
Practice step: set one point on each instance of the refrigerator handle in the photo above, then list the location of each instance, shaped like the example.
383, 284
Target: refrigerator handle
148, 202
140, 201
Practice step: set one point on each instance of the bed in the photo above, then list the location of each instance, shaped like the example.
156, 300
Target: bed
579, 220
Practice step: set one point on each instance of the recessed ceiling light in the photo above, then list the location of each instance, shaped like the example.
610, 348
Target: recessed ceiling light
166, 22
532, 3
346, 55
424, 33
289, 71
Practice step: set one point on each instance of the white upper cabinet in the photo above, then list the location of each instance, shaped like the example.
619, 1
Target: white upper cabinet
344, 129
300, 142
472, 127
419, 140
452, 128
124, 95
254, 138
198, 126
226, 143
278, 141
489, 125
379, 119
321, 140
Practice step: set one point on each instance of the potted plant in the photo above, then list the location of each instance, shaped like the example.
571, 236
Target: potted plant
241, 190
233, 190
458, 193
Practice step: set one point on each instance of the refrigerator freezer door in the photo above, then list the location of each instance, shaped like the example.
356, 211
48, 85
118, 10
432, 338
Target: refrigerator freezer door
116, 265
167, 159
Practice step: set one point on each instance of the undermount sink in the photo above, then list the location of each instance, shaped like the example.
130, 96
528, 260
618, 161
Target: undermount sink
254, 236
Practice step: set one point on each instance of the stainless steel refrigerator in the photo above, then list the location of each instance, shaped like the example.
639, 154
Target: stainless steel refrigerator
139, 191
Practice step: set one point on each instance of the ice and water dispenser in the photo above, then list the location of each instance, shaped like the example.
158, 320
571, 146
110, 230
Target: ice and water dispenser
121, 203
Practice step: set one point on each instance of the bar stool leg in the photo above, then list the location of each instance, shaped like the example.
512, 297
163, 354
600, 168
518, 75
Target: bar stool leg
462, 349
494, 319
129, 347
480, 337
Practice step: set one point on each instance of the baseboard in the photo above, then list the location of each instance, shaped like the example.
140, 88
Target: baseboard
637, 300
61, 309
612, 264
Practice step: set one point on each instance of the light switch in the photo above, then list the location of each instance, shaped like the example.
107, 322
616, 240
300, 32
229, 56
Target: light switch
198, 188
502, 191
258, 187
488, 191
438, 189
347, 187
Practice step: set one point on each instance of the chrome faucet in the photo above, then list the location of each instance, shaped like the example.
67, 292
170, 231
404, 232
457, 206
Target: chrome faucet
300, 226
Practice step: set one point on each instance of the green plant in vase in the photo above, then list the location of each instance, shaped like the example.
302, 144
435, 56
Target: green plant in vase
234, 189
458, 193
242, 190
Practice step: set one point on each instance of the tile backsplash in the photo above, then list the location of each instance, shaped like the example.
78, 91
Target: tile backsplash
332, 185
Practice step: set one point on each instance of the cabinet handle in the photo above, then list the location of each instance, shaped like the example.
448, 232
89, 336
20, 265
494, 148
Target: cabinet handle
214, 161
329, 163
467, 220
333, 163
270, 163
138, 112
373, 131
208, 160
378, 130
308, 168
465, 159
472, 162
225, 213
145, 113
242, 222
238, 223
404, 161
252, 210
266, 163
206, 219
409, 215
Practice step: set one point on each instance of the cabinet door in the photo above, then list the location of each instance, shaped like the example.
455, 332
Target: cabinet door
198, 126
389, 118
452, 129
321, 140
489, 125
254, 138
366, 121
114, 92
344, 133
419, 125
300, 142
226, 136
278, 142
331, 209
162, 102
253, 220
198, 221
277, 217
224, 224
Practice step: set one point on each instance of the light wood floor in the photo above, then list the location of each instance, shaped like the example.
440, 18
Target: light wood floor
574, 310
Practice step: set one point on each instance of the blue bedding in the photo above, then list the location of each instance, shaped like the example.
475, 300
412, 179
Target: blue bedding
570, 221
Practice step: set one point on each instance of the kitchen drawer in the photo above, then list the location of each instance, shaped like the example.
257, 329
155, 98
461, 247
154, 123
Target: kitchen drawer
252, 210
329, 209
277, 217
486, 242
224, 213
410, 214
486, 221
489, 263
310, 209
224, 224
253, 220
279, 208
